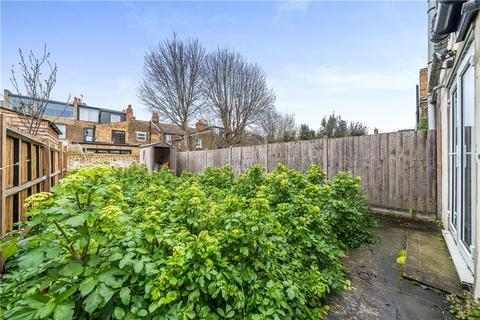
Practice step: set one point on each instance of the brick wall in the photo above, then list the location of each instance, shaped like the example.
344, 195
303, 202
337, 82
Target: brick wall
78, 160
103, 132
423, 92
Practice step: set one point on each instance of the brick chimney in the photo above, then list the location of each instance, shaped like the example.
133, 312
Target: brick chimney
375, 131
201, 125
129, 113
155, 118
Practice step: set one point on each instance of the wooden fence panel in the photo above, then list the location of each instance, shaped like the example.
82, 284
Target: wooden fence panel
397, 170
25, 168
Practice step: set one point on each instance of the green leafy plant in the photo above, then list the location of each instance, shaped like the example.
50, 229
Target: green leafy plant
466, 308
124, 244
402, 257
422, 124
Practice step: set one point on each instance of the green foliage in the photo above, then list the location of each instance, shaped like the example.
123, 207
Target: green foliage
334, 127
466, 308
402, 258
125, 244
306, 133
288, 135
357, 129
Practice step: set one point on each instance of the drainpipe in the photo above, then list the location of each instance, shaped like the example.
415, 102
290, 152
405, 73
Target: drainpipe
443, 18
431, 114
431, 66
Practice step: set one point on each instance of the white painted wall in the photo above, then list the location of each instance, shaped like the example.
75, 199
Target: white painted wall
443, 97
477, 123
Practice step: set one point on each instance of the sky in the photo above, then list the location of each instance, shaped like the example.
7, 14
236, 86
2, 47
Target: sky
357, 59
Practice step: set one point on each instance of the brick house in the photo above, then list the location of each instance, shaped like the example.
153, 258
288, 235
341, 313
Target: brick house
99, 130
205, 137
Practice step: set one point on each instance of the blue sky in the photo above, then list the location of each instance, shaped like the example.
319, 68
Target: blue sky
359, 59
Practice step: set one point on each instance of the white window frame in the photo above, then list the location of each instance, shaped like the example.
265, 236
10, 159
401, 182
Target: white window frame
168, 138
63, 135
88, 138
141, 133
198, 144
115, 116
86, 114
459, 153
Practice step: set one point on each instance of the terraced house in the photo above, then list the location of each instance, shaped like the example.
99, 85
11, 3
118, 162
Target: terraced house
454, 111
98, 130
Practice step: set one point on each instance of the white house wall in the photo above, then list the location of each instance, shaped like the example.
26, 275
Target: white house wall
443, 99
477, 126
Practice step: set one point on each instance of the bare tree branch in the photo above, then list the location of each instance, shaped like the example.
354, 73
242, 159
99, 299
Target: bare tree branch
236, 91
37, 88
171, 83
275, 126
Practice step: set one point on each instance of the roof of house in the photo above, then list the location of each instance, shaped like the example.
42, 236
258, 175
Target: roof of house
10, 94
170, 128
50, 123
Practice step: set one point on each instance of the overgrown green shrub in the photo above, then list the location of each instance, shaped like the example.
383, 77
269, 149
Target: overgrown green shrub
125, 244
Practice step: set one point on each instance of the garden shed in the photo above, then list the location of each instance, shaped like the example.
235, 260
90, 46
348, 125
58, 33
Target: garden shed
155, 155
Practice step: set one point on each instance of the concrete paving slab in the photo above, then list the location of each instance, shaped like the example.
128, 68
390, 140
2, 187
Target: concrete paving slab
378, 289
429, 262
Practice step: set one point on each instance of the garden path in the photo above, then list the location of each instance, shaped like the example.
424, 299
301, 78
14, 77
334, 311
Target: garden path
379, 290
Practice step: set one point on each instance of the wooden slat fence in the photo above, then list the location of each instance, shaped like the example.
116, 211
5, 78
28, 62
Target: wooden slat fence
28, 165
398, 169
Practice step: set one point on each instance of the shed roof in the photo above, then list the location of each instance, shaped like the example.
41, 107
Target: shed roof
157, 144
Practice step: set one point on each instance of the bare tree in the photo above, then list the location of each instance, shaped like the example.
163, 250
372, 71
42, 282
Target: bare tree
236, 92
37, 88
276, 126
171, 83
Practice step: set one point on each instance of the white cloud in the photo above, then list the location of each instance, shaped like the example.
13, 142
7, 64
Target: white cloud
357, 94
287, 8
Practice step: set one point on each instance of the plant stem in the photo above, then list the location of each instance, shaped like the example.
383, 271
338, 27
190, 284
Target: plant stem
71, 249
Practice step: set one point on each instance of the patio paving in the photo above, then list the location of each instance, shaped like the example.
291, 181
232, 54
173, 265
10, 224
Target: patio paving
379, 290
429, 262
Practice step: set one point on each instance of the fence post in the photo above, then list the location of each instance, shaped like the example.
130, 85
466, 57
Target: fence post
266, 157
65, 159
60, 160
204, 159
3, 146
47, 167
230, 156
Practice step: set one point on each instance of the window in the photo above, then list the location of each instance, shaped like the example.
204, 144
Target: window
63, 128
118, 137
53, 109
88, 134
107, 151
461, 151
198, 143
115, 118
86, 114
141, 136
168, 138
58, 110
